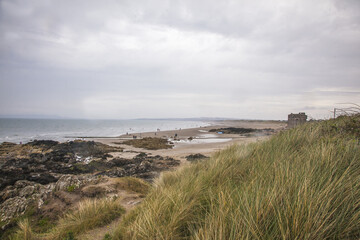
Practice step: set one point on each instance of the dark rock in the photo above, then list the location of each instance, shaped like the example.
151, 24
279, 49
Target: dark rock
37, 157
47, 144
141, 155
42, 178
196, 157
114, 172
233, 130
119, 162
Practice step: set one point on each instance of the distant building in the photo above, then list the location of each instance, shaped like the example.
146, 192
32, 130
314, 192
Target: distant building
296, 119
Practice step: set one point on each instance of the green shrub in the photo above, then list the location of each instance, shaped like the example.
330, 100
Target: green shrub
149, 143
71, 188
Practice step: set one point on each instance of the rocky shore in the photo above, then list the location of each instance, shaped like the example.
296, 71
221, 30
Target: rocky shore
46, 177
43, 180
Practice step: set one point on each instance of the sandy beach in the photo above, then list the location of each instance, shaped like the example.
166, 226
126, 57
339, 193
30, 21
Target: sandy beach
195, 140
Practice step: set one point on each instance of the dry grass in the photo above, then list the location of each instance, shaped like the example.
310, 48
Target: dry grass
24, 232
89, 214
301, 184
132, 184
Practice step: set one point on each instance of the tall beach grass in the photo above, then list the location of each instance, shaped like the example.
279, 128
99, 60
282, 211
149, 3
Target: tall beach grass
90, 213
301, 184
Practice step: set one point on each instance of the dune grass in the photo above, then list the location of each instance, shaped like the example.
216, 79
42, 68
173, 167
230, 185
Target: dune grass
24, 232
132, 184
301, 184
89, 214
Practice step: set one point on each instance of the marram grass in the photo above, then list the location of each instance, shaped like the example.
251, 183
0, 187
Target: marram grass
90, 213
301, 184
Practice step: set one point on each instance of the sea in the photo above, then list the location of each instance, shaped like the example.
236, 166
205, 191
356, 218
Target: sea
26, 130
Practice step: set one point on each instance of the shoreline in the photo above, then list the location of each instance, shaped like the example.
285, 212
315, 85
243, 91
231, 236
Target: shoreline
187, 141
64, 174
126, 136
26, 130
203, 141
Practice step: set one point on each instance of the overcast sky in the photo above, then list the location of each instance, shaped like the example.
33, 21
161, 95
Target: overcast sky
188, 58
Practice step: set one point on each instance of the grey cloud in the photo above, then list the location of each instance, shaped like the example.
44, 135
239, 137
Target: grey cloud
64, 52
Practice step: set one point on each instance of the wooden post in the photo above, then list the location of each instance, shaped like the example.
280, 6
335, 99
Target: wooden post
334, 113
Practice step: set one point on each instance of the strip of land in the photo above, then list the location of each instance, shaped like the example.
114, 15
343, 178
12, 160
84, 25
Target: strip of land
197, 140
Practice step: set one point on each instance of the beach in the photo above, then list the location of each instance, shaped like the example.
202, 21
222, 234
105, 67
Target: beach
196, 140
62, 174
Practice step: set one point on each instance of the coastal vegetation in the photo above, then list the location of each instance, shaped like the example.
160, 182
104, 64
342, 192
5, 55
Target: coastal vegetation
41, 180
196, 157
301, 184
149, 143
132, 184
90, 213
235, 130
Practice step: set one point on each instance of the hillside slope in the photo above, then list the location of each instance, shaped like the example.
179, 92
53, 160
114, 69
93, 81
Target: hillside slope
301, 184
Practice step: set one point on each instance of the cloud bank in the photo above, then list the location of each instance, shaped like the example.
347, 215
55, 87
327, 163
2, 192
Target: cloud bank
130, 59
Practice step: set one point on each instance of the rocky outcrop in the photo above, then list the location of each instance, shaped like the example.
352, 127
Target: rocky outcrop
196, 157
141, 166
38, 161
35, 172
234, 130
16, 199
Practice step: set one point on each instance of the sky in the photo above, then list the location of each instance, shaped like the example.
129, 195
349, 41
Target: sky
121, 59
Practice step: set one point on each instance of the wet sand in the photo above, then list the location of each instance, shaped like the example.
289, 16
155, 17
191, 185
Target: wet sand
203, 141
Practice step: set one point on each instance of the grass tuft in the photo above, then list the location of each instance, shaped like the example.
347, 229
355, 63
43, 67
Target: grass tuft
89, 214
24, 232
132, 184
